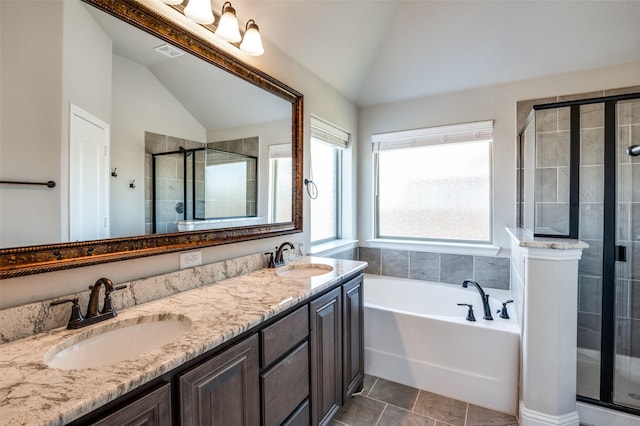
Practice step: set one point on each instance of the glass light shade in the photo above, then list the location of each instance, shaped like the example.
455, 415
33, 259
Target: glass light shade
172, 2
199, 11
228, 27
252, 42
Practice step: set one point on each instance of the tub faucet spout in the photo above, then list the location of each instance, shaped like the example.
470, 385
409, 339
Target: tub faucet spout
483, 296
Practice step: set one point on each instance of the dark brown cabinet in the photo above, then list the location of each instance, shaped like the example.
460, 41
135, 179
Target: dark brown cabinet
284, 379
352, 336
223, 390
295, 370
325, 336
153, 409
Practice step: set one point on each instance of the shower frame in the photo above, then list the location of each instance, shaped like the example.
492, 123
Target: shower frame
611, 252
185, 155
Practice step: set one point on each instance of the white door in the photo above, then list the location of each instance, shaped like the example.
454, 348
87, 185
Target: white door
88, 177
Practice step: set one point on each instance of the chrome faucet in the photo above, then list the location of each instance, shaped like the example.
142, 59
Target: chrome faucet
483, 296
93, 316
279, 256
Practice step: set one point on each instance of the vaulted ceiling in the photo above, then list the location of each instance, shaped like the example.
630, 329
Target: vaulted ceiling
378, 51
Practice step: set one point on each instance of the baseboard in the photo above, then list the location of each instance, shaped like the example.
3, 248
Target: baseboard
536, 418
594, 415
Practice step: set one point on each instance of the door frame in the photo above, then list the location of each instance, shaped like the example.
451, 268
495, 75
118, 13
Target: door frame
76, 111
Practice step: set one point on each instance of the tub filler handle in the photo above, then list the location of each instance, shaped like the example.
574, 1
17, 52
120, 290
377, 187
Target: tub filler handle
503, 312
470, 316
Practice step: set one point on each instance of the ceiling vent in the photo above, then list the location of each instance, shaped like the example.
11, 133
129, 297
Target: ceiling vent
168, 50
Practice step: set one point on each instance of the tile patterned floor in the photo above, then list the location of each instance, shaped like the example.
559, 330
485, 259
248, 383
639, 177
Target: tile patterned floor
385, 403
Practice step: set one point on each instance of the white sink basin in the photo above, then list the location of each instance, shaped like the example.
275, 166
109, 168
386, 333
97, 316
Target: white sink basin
116, 341
304, 270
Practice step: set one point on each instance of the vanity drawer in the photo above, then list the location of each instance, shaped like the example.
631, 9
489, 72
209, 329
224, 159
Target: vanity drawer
300, 417
280, 337
285, 386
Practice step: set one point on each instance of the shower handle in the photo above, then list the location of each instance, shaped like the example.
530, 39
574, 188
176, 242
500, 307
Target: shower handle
633, 150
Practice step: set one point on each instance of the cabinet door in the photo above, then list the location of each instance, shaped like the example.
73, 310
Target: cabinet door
326, 356
153, 409
353, 338
223, 390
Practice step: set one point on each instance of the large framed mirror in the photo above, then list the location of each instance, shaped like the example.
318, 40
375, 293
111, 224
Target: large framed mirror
156, 140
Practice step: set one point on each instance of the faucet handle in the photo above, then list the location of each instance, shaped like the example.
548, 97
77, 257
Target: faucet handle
503, 312
271, 262
107, 306
76, 315
470, 316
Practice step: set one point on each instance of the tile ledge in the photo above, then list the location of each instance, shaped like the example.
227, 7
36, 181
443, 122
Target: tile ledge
326, 248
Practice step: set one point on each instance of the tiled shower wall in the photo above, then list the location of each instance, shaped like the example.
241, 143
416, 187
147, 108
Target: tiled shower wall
591, 224
628, 284
170, 180
552, 171
591, 215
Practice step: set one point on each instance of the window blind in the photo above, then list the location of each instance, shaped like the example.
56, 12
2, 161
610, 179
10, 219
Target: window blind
280, 151
454, 133
328, 133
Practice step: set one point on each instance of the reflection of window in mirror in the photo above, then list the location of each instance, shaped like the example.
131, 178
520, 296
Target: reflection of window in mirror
280, 171
327, 145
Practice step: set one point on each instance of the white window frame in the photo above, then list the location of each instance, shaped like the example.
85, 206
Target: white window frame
456, 133
326, 133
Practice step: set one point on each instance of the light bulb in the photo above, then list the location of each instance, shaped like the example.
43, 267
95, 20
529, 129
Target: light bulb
199, 11
252, 42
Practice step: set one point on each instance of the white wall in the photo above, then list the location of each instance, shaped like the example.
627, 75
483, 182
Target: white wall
30, 115
495, 102
319, 99
140, 103
86, 64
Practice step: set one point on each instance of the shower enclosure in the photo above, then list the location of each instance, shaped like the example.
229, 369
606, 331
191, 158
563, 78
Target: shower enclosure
579, 177
201, 184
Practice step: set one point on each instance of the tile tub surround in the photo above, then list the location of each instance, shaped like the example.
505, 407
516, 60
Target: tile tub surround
34, 394
489, 272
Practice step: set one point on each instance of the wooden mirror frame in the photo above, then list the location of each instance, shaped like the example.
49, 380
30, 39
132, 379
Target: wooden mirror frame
20, 261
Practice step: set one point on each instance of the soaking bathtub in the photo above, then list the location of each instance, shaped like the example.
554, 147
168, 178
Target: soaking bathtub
415, 334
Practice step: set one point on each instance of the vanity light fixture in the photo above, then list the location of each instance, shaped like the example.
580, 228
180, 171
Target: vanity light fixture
228, 25
227, 28
252, 42
199, 11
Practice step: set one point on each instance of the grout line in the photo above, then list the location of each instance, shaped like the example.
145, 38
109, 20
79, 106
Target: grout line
413, 408
372, 386
381, 413
466, 413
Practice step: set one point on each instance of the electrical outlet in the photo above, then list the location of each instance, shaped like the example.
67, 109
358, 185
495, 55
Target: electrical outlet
191, 259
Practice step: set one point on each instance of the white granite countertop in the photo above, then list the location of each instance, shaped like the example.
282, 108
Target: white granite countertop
31, 393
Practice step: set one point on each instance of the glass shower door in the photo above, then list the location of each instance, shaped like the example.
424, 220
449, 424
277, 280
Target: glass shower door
626, 378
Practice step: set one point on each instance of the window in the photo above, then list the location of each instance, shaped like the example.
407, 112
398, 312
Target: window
327, 144
434, 183
280, 196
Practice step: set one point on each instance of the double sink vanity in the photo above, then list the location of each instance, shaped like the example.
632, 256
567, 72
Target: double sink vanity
274, 346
